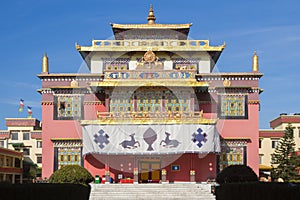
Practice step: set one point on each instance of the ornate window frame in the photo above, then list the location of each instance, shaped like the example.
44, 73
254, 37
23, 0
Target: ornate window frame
57, 107
67, 145
221, 104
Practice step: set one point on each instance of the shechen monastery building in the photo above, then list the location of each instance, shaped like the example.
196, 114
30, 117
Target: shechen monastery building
152, 109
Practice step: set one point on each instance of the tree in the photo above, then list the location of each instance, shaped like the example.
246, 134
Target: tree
284, 159
71, 174
236, 173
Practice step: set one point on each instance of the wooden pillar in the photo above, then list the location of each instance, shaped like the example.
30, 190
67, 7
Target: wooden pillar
192, 169
163, 103
107, 101
135, 170
107, 172
192, 103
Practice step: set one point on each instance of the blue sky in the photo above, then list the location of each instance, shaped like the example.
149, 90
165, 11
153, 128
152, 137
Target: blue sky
30, 28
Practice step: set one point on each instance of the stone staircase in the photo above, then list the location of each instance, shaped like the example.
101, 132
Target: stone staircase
151, 191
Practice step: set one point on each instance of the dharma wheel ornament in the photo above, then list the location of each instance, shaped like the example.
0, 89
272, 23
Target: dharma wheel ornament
149, 56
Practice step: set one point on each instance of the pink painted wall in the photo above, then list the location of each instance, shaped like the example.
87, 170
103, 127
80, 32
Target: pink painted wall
205, 166
201, 165
55, 129
248, 128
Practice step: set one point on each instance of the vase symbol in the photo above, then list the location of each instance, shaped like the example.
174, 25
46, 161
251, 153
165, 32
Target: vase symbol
150, 136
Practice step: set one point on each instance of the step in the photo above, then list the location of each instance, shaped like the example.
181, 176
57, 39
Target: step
151, 191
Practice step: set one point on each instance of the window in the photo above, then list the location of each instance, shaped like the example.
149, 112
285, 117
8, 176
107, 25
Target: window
299, 132
9, 161
39, 159
1, 143
185, 64
17, 163
68, 156
38, 144
175, 167
25, 136
26, 152
116, 64
14, 135
259, 143
68, 107
232, 153
274, 143
1, 161
233, 107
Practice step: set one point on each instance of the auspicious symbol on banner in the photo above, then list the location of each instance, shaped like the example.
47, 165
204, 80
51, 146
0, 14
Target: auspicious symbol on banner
169, 143
101, 138
130, 144
150, 136
199, 138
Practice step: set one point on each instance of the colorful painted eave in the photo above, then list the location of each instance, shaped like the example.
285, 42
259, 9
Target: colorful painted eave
151, 26
154, 45
151, 82
149, 121
237, 138
62, 139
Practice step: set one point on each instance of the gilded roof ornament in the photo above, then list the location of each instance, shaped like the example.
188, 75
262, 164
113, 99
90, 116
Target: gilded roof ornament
151, 18
45, 64
255, 63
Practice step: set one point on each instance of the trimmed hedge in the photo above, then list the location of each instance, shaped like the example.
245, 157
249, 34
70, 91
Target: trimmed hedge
236, 173
257, 191
44, 191
71, 174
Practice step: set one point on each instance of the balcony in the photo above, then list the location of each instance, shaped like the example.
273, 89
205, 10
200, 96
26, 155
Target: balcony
168, 117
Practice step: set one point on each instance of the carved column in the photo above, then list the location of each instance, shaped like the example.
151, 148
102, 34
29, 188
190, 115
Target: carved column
136, 175
107, 172
163, 175
192, 175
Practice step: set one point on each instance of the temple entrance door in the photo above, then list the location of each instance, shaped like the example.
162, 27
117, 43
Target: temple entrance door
150, 171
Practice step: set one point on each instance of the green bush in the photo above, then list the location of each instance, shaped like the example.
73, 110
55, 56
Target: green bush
236, 173
71, 174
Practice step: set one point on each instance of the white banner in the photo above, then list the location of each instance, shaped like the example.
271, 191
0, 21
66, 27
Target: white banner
150, 139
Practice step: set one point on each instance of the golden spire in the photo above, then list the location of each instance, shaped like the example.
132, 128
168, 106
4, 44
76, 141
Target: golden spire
45, 66
255, 63
151, 18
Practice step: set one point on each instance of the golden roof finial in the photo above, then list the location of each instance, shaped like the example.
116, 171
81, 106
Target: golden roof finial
45, 65
151, 18
255, 63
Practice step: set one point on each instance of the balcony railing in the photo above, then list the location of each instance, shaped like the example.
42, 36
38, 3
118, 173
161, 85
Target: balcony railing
149, 115
153, 43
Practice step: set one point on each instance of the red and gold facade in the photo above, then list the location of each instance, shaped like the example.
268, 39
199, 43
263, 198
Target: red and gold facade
151, 108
